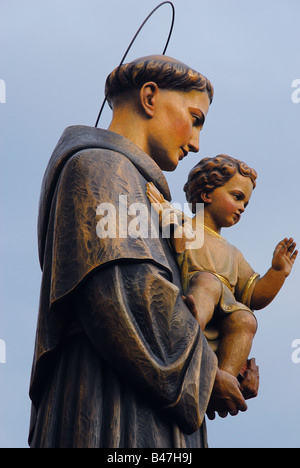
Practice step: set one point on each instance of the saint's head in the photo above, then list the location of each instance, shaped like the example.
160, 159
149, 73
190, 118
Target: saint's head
160, 104
168, 73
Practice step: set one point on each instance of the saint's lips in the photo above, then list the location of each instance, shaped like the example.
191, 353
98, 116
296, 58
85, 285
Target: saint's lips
184, 153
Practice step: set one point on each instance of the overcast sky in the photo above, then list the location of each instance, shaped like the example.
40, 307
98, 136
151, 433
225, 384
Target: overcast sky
55, 56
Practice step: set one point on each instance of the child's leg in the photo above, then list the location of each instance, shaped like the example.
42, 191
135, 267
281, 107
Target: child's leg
237, 331
206, 290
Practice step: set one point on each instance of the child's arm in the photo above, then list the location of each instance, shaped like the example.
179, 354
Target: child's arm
159, 203
269, 285
181, 233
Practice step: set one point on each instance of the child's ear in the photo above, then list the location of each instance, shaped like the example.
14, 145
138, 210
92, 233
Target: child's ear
206, 197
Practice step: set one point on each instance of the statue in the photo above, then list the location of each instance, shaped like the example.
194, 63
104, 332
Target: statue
220, 286
119, 359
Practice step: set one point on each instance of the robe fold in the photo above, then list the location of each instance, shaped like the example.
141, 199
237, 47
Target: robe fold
119, 360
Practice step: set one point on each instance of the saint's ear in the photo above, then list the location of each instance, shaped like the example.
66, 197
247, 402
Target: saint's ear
148, 94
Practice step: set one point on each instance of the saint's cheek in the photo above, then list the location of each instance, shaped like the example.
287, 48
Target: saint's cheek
182, 130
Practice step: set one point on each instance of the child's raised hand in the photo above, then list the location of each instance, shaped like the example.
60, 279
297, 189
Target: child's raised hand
284, 256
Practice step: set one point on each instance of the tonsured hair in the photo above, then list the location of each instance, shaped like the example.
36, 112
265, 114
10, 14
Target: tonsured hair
166, 72
211, 173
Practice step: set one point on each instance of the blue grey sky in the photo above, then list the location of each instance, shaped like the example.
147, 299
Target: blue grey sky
55, 56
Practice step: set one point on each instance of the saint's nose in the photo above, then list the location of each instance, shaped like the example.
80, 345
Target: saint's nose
194, 143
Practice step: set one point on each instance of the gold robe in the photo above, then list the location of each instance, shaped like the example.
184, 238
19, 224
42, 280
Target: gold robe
226, 262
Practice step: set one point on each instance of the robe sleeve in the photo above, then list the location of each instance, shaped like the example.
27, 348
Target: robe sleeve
137, 321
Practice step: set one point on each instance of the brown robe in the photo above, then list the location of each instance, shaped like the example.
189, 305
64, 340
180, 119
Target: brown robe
119, 360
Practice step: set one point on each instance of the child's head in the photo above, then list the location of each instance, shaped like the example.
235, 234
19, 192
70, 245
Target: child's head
211, 173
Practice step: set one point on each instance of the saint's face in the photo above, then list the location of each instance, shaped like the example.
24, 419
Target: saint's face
229, 202
179, 117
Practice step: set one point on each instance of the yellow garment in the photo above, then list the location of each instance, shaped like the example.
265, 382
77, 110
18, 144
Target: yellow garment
227, 263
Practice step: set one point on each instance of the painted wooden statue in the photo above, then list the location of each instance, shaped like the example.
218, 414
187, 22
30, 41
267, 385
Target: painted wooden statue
120, 360
220, 286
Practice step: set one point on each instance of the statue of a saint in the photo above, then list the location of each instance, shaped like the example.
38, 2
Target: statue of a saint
119, 360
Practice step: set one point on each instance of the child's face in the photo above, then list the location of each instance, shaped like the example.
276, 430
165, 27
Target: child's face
226, 204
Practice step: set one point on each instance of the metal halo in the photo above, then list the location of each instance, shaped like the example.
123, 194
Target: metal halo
131, 43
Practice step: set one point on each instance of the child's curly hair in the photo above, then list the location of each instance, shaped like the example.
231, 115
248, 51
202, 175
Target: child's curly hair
211, 173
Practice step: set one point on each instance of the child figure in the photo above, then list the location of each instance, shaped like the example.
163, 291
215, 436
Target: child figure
221, 288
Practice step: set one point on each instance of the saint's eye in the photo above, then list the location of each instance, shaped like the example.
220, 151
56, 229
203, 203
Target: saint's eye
197, 120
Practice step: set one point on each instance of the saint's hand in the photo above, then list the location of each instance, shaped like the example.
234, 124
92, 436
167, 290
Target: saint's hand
226, 397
